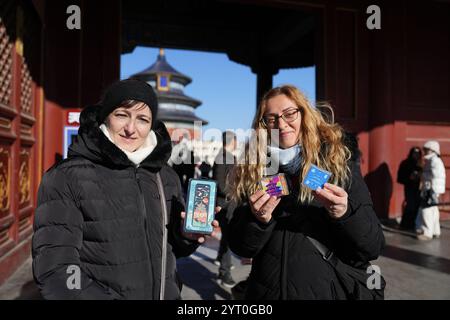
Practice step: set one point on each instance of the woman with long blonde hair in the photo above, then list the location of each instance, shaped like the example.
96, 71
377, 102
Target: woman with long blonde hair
290, 136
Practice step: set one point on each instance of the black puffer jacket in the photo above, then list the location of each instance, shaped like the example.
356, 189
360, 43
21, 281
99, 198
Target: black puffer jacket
286, 265
99, 212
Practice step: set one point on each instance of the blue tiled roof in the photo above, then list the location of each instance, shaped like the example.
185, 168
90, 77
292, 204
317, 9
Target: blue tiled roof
161, 65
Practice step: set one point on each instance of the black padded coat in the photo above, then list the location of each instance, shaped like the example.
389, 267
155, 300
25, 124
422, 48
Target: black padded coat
98, 212
285, 263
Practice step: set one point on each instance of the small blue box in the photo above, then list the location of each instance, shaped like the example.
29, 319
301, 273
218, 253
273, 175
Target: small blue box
200, 208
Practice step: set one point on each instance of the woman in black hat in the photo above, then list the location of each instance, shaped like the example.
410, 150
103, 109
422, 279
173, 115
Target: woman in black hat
109, 217
314, 243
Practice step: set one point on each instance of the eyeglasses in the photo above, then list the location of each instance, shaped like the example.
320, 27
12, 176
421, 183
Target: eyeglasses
288, 116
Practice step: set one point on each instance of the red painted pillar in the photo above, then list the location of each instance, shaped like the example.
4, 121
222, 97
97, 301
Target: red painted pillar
381, 175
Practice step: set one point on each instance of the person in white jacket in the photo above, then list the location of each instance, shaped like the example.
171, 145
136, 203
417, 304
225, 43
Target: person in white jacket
433, 185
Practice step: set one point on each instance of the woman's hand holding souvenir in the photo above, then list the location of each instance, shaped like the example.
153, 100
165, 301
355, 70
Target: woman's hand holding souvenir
196, 236
333, 198
263, 205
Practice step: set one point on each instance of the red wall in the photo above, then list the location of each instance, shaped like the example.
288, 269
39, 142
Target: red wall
391, 86
78, 64
53, 134
416, 134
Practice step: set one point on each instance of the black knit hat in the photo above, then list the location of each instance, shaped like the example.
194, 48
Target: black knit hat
129, 89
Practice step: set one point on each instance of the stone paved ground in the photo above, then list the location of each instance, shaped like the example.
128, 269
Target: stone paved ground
412, 269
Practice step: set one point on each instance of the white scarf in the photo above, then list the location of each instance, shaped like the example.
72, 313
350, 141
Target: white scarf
287, 160
140, 154
285, 156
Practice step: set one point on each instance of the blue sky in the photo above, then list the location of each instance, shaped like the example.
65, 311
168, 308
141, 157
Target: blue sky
227, 89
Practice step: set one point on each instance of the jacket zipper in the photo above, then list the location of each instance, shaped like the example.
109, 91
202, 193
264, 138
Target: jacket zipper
284, 255
144, 214
162, 197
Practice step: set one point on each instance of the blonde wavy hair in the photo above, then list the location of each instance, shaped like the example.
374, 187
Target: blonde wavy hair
321, 141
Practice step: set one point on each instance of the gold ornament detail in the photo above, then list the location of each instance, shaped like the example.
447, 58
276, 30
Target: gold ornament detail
4, 179
24, 178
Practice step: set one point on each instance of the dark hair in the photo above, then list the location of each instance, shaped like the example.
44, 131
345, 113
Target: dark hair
227, 137
351, 141
127, 104
414, 150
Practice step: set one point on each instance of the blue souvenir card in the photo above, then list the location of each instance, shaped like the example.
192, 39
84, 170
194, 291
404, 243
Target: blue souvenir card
316, 177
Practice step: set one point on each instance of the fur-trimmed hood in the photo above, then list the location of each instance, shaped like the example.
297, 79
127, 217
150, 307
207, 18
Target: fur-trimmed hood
92, 144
